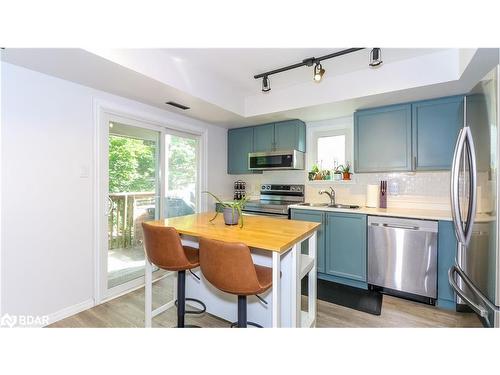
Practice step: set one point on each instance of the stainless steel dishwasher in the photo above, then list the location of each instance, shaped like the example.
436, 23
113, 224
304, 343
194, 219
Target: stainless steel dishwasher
402, 257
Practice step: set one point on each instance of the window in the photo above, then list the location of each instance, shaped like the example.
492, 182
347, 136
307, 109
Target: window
331, 151
330, 145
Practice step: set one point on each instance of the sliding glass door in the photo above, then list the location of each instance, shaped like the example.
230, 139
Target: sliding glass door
148, 173
134, 170
181, 174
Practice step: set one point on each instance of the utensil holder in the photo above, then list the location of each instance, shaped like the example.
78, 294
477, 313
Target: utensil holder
383, 194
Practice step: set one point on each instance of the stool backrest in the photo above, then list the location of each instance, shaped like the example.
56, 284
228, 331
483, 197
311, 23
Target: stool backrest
163, 247
228, 266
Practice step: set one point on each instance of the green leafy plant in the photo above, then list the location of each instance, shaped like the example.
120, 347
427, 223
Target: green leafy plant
235, 205
344, 168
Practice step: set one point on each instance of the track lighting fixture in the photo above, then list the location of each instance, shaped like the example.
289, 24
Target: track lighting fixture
375, 60
266, 84
375, 57
318, 72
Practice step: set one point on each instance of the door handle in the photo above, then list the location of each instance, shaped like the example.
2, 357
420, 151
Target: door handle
471, 210
408, 227
454, 180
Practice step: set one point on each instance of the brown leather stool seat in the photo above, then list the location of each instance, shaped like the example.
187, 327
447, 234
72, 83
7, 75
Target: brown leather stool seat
230, 268
164, 249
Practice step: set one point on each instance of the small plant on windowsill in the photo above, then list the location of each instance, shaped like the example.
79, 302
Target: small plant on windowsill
326, 174
337, 175
314, 174
232, 211
345, 170
317, 174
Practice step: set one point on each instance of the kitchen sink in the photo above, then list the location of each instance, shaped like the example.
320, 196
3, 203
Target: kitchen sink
314, 204
349, 206
344, 206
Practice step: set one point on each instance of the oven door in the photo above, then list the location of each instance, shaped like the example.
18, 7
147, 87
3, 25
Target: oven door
261, 161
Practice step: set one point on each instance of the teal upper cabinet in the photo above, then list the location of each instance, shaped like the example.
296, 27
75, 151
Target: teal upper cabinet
436, 124
417, 136
285, 135
263, 137
239, 144
290, 135
346, 245
316, 217
382, 139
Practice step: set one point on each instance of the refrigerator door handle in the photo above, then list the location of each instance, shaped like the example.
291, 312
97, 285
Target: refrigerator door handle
454, 182
455, 269
471, 210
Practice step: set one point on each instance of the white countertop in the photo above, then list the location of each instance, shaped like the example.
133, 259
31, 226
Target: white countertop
412, 213
396, 212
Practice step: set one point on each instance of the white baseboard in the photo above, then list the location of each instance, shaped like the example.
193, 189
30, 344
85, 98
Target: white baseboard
71, 310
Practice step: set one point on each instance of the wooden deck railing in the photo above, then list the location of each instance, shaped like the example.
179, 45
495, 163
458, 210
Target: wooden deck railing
128, 211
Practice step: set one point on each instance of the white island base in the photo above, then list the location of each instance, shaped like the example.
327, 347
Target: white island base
283, 299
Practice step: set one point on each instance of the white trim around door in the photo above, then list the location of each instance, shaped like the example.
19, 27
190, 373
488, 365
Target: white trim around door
104, 112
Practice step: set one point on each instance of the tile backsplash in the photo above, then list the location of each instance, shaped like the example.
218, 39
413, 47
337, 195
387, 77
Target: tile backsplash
426, 190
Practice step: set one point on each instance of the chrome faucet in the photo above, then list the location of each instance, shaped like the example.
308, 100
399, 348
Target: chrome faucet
330, 194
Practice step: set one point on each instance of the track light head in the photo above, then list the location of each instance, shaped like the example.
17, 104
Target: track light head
375, 57
266, 84
318, 72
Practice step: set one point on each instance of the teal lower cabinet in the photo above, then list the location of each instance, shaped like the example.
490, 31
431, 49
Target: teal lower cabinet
341, 245
346, 251
447, 246
317, 217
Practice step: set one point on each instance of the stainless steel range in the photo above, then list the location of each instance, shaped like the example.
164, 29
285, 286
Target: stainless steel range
275, 199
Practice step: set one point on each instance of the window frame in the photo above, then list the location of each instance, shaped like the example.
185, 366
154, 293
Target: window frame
335, 127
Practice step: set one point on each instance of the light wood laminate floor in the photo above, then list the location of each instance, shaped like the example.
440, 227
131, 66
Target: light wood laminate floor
128, 311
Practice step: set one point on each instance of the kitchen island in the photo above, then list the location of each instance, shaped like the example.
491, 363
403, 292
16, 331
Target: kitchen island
274, 243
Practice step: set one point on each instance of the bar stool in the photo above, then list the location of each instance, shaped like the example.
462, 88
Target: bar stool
164, 249
229, 267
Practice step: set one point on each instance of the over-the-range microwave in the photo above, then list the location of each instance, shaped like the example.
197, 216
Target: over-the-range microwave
273, 160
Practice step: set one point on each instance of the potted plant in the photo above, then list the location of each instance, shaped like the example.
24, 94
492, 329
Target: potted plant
346, 171
337, 174
230, 209
313, 175
326, 174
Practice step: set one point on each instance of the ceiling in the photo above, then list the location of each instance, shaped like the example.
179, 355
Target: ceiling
237, 66
219, 87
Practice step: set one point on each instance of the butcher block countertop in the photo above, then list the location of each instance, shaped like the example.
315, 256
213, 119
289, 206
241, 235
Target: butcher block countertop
262, 232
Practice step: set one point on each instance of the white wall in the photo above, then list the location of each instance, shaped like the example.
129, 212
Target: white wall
48, 217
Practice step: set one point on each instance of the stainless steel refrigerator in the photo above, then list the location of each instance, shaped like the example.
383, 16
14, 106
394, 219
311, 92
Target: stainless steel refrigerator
475, 276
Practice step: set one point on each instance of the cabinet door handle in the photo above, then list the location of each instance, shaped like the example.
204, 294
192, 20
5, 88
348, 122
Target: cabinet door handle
414, 163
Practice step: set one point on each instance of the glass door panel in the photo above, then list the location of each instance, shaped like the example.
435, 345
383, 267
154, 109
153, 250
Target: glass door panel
181, 175
133, 198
